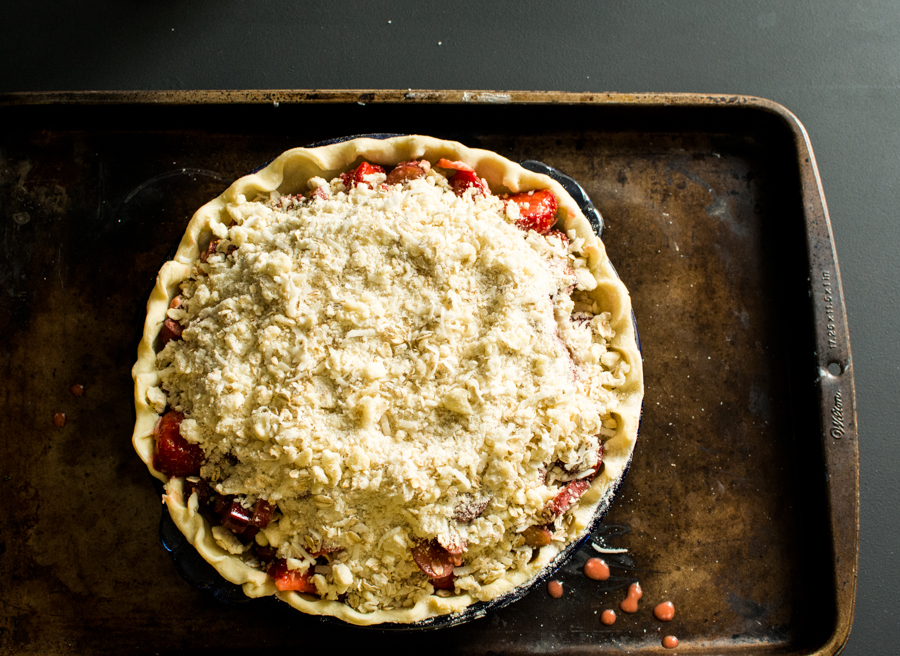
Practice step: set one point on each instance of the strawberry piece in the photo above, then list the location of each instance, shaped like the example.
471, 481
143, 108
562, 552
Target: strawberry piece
291, 579
568, 496
455, 165
563, 237
537, 210
435, 561
355, 177
175, 456
465, 179
406, 171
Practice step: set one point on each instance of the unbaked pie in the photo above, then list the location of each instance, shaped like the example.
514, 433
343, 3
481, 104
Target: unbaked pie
386, 380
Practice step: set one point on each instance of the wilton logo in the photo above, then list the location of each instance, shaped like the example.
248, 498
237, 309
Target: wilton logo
837, 417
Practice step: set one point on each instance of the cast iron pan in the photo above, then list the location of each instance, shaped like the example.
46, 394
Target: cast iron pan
200, 574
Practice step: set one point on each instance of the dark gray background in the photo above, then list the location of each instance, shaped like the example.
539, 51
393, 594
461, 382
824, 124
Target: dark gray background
836, 65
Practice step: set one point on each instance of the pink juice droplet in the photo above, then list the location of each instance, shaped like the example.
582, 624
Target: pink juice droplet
597, 569
630, 603
555, 589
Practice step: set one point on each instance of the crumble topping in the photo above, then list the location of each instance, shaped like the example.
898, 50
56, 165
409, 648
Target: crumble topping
392, 364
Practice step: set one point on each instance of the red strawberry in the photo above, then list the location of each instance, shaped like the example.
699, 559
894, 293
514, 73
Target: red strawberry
563, 237
355, 177
464, 177
175, 456
291, 579
456, 166
406, 171
537, 210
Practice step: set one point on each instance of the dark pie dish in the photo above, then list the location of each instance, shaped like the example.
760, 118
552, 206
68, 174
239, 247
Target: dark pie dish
591, 508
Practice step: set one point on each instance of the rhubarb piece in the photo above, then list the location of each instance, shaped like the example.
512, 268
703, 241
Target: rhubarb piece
202, 489
265, 554
262, 514
171, 329
568, 496
213, 248
210, 250
221, 504
236, 518
175, 456
537, 210
325, 551
600, 451
289, 199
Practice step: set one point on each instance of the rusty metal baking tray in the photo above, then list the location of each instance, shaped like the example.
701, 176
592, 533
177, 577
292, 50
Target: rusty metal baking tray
741, 506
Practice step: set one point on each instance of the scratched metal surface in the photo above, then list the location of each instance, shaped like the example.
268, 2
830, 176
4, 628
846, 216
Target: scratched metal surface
726, 510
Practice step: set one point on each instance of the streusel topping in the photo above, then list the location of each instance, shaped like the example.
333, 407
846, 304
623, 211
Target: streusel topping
389, 364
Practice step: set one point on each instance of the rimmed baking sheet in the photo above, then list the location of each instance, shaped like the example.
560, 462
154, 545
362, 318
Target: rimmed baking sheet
741, 506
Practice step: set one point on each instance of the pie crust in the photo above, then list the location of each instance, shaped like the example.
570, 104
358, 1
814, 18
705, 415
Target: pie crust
290, 173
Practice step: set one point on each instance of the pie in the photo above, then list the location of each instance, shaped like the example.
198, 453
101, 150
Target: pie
386, 380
